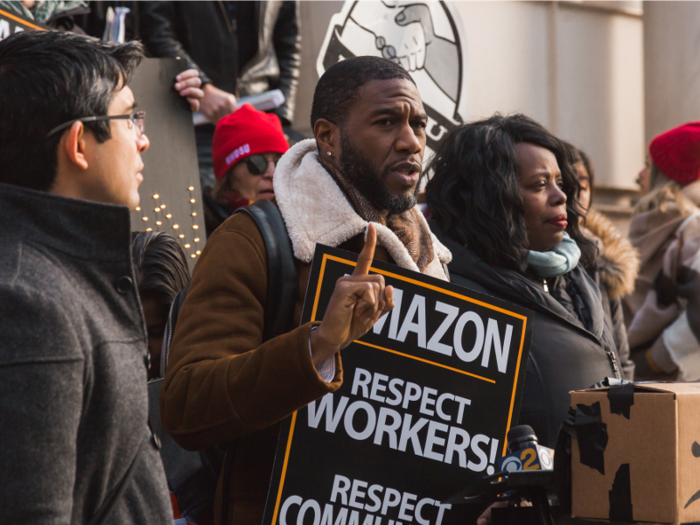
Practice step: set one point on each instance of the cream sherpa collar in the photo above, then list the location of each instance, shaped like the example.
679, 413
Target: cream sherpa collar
316, 212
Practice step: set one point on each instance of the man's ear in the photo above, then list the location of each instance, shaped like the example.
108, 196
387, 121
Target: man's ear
74, 145
327, 136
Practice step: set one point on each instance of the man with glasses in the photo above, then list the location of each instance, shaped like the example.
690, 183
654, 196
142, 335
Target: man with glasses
246, 147
75, 446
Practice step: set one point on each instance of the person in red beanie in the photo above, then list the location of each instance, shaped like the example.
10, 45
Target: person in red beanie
246, 147
663, 312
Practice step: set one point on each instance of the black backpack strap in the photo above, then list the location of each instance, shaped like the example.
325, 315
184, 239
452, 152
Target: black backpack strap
282, 284
108, 504
282, 280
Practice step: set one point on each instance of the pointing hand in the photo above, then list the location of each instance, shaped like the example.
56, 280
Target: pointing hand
358, 301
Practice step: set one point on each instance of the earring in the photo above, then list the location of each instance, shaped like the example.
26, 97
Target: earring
329, 153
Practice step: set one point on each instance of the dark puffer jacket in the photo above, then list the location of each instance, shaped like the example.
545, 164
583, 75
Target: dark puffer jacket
572, 346
615, 273
202, 33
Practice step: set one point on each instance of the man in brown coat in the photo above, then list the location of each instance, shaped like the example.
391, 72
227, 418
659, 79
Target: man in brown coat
360, 174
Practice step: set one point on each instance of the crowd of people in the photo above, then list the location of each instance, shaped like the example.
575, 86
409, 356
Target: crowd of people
87, 305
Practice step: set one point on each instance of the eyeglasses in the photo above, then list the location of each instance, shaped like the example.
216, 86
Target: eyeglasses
257, 164
137, 122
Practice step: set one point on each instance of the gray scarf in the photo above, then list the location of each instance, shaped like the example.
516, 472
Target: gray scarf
559, 260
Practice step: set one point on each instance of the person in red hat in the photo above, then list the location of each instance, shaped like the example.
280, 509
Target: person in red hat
663, 312
246, 147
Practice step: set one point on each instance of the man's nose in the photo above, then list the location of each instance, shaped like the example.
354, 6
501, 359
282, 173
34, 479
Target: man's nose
270, 171
408, 141
143, 143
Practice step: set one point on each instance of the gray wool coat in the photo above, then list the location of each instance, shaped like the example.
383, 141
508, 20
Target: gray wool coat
73, 401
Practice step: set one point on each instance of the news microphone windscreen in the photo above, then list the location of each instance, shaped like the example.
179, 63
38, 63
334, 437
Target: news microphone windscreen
520, 431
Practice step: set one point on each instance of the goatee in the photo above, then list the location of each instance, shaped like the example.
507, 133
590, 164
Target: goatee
369, 181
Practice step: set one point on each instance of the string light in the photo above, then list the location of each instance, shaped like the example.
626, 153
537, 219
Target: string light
158, 223
162, 206
193, 255
198, 252
187, 246
156, 210
196, 239
191, 188
144, 218
149, 229
169, 216
194, 214
176, 226
182, 236
192, 201
138, 208
195, 227
156, 196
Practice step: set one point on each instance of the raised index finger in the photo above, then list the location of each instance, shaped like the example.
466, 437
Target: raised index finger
364, 261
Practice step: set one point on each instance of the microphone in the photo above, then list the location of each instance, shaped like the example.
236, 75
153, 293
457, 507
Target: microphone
525, 452
525, 473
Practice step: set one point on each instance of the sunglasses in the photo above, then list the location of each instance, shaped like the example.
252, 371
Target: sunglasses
257, 164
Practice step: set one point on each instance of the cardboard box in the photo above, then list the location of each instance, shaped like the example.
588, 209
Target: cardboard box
651, 461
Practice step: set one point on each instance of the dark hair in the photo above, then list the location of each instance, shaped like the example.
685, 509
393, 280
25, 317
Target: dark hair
339, 87
160, 265
48, 78
475, 197
578, 155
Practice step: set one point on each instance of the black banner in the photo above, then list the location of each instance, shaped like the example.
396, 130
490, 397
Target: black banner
11, 23
427, 399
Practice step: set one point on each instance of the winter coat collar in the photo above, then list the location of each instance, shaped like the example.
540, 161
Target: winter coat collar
81, 229
316, 211
651, 232
619, 261
513, 286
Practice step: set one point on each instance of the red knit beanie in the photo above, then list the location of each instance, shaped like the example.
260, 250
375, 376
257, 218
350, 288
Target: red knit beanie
677, 153
243, 133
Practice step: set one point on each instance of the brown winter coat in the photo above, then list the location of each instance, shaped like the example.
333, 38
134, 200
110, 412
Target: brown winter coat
222, 382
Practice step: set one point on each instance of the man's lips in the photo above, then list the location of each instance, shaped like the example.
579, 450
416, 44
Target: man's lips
406, 172
560, 221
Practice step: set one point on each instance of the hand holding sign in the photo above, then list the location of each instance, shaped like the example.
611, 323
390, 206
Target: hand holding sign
358, 301
188, 85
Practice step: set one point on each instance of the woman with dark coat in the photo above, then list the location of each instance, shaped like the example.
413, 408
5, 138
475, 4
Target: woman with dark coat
503, 200
617, 264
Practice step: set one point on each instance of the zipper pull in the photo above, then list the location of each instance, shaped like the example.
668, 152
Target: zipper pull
546, 288
616, 367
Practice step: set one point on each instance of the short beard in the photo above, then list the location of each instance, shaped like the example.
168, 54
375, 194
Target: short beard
369, 181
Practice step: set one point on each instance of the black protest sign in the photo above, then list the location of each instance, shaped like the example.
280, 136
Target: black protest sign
171, 198
11, 23
427, 399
